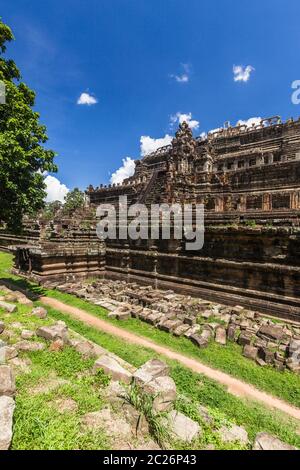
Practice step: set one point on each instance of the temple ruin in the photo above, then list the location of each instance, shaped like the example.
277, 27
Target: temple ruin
248, 180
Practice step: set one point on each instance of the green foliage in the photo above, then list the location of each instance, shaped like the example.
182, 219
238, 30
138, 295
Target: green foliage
51, 209
250, 223
23, 157
73, 200
143, 402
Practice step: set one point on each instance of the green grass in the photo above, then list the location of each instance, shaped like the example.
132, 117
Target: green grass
37, 426
229, 359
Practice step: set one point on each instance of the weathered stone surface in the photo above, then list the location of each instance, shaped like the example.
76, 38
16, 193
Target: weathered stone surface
29, 346
85, 348
264, 441
107, 421
21, 365
115, 392
199, 341
163, 389
7, 353
27, 334
182, 427
271, 331
294, 348
250, 352
244, 339
40, 312
10, 308
51, 333
190, 320
180, 330
220, 337
111, 367
2, 327
137, 421
7, 381
57, 345
151, 370
234, 434
7, 407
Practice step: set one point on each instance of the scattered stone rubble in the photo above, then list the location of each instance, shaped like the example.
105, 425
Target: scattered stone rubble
267, 343
153, 378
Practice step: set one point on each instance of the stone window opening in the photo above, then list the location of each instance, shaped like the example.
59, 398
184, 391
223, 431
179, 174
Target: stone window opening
241, 164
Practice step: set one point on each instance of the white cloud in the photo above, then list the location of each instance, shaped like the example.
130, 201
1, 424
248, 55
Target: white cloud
179, 118
56, 191
250, 122
87, 99
242, 73
125, 171
183, 77
149, 145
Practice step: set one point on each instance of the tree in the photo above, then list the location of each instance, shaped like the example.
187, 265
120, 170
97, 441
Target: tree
23, 158
73, 200
51, 209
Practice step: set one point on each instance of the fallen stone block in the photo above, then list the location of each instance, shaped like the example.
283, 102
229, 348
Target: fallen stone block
151, 370
169, 326
199, 341
7, 407
7, 381
111, 367
190, 320
85, 348
51, 333
244, 339
57, 345
108, 421
294, 348
271, 331
182, 427
264, 441
181, 329
29, 346
234, 434
27, 334
10, 308
39, 312
250, 352
220, 337
163, 389
7, 353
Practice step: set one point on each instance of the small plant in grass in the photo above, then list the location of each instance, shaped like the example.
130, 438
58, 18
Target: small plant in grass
250, 223
143, 403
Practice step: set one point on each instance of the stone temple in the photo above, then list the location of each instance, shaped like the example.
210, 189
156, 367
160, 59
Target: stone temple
248, 180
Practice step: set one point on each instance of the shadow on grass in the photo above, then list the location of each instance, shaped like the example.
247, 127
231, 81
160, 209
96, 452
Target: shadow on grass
33, 291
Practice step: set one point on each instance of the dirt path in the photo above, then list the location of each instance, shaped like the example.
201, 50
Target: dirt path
234, 386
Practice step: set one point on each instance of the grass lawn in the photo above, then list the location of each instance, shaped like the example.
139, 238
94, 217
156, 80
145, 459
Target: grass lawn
193, 388
39, 425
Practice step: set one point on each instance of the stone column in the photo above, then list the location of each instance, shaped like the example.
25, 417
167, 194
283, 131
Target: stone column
266, 205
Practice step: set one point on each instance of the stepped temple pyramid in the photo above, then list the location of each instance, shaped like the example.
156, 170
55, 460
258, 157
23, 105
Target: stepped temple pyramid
248, 180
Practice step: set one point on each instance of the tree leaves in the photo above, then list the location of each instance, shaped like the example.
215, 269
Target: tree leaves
23, 159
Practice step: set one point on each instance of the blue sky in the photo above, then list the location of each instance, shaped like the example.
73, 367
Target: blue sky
145, 61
